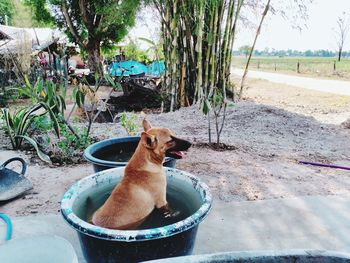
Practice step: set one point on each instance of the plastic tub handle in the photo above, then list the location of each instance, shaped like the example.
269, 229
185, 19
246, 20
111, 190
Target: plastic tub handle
24, 165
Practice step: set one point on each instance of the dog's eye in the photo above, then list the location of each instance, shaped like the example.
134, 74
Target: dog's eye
149, 141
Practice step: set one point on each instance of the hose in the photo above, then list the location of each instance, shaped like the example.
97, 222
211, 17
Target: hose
326, 165
9, 226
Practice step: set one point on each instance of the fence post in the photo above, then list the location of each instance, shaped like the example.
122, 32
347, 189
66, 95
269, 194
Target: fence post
258, 64
298, 67
334, 66
275, 67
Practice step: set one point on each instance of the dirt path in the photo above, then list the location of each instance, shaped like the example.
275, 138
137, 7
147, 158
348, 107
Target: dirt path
324, 85
324, 107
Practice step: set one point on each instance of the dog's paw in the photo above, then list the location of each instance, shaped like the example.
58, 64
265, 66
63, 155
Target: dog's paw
170, 214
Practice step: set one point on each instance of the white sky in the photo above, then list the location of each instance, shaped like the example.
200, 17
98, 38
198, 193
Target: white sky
278, 33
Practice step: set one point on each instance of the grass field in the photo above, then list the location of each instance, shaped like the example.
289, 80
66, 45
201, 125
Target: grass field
313, 66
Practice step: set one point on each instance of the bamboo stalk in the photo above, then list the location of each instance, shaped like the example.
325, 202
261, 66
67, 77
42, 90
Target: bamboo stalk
182, 86
231, 41
213, 52
225, 50
208, 53
198, 40
198, 49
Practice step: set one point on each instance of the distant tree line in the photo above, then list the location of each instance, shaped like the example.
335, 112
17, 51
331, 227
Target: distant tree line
292, 53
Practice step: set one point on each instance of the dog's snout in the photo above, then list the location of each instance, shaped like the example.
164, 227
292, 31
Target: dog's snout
181, 144
187, 144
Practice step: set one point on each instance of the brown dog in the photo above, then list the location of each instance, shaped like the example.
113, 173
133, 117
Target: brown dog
143, 186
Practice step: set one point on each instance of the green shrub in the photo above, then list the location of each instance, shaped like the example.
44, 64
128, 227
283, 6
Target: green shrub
129, 123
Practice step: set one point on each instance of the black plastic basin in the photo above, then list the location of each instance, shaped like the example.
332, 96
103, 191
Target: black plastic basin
162, 241
265, 256
115, 152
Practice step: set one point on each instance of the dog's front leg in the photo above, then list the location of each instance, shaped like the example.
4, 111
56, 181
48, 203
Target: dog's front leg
165, 208
161, 202
168, 212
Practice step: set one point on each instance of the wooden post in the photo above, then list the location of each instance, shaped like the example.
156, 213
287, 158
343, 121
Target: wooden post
275, 67
334, 66
258, 64
298, 67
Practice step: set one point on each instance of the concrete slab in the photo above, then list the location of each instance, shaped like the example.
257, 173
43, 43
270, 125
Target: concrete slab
30, 226
314, 222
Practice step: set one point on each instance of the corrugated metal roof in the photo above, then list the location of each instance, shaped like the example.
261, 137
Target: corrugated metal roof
39, 37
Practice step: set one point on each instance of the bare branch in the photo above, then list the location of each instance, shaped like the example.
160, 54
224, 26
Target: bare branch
70, 24
85, 14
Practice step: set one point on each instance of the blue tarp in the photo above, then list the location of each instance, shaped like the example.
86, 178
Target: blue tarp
156, 68
133, 67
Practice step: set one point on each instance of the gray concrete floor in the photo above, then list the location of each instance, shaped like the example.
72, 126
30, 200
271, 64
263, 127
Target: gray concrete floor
313, 222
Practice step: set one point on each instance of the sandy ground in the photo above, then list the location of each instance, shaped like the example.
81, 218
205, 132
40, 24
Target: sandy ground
270, 131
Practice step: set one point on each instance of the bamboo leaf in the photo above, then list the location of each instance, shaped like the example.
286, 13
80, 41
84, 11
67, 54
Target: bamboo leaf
206, 106
82, 99
147, 41
76, 96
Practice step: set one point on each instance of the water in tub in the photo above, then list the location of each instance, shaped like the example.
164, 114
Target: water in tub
180, 197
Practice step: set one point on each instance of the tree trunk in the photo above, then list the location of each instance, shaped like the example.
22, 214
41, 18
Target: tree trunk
94, 57
339, 54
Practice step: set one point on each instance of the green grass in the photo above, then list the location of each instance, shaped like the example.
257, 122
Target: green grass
313, 66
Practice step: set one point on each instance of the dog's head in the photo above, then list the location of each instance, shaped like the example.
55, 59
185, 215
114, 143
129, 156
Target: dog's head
163, 142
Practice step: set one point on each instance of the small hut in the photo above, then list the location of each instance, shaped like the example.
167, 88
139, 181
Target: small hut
21, 47
38, 38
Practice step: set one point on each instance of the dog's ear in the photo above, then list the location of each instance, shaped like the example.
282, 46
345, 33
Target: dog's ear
146, 124
149, 141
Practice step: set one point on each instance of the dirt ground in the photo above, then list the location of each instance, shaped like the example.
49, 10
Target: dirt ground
270, 131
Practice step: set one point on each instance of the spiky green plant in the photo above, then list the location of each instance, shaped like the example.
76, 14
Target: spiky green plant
52, 94
18, 123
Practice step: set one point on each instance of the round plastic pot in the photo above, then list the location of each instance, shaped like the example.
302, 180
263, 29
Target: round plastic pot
265, 256
99, 153
108, 245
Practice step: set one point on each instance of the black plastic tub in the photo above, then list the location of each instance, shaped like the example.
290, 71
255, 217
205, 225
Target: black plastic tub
162, 241
115, 152
265, 256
